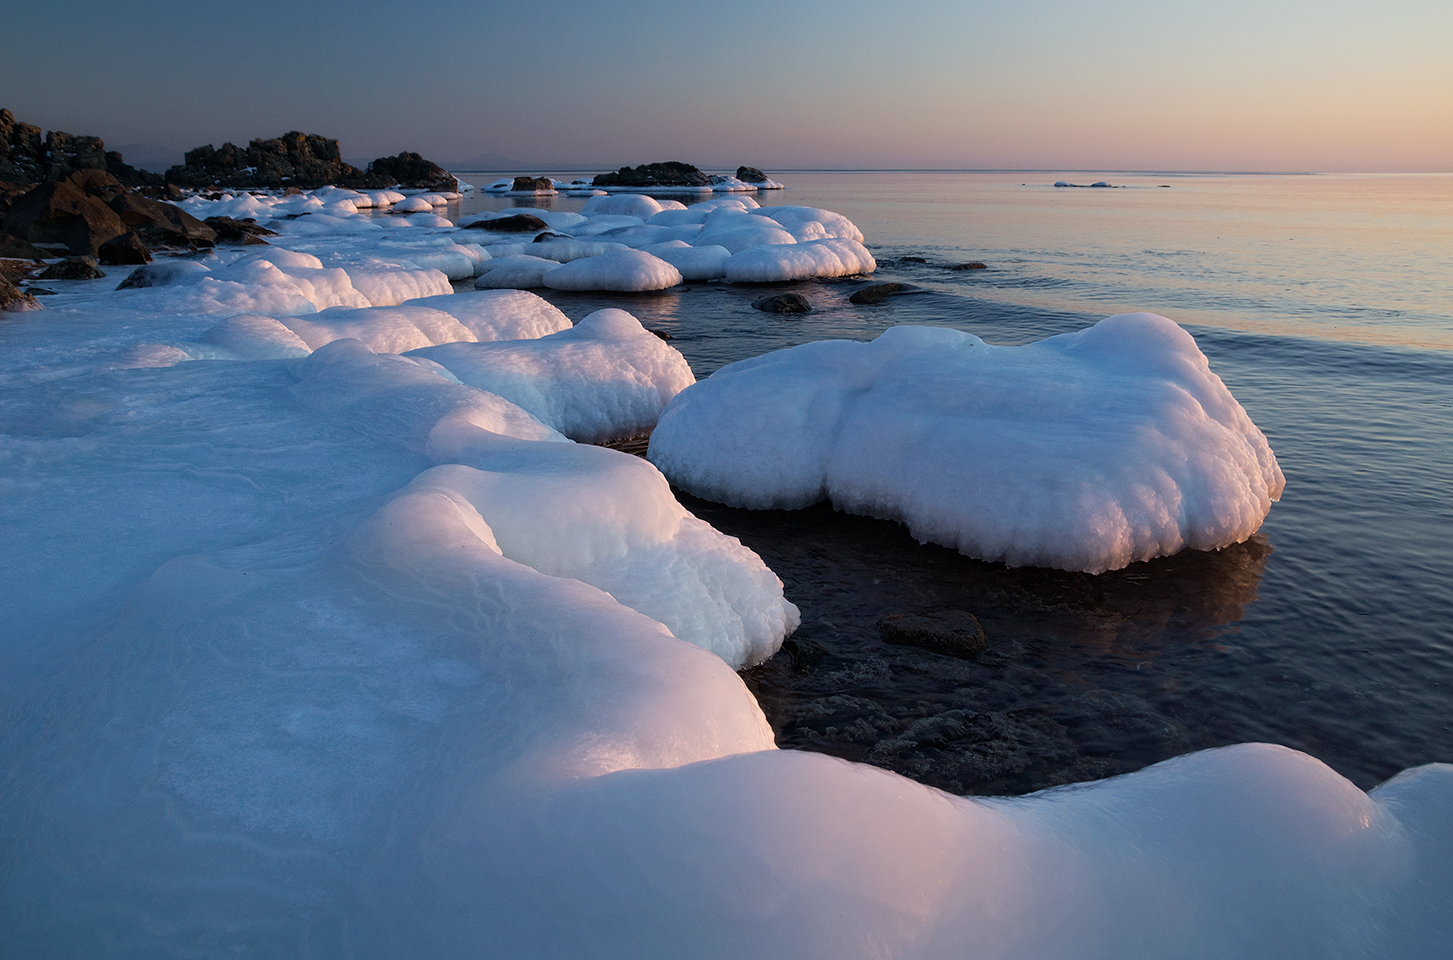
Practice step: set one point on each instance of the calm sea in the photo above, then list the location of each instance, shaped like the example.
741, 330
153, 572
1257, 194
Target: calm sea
1326, 305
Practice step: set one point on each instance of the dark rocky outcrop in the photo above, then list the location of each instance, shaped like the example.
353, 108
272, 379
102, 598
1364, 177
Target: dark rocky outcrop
532, 185
62, 214
751, 175
12, 298
783, 303
518, 223
878, 292
22, 150
670, 174
28, 157
954, 633
303, 160
18, 248
239, 232
73, 268
162, 224
124, 250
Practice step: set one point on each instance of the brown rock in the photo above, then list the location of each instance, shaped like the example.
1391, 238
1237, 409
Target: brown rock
532, 184
878, 292
18, 248
124, 250
518, 223
239, 232
954, 633
12, 298
162, 224
751, 175
61, 213
783, 303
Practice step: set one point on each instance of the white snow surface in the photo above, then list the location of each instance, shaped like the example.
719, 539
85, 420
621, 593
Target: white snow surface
328, 654
1086, 451
605, 378
622, 269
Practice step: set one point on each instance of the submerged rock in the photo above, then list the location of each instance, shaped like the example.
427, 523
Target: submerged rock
518, 223
878, 292
971, 265
954, 633
782, 303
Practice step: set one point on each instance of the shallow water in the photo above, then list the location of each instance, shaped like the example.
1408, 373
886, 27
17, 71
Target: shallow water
1325, 303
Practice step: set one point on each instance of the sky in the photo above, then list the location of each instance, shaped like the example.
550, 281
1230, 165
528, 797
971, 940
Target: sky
1274, 85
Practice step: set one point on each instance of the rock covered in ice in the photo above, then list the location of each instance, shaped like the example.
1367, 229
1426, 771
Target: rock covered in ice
831, 257
605, 378
1086, 451
623, 269
516, 271
705, 262
500, 314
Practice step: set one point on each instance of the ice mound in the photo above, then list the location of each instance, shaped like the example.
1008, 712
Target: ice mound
253, 337
812, 223
499, 314
515, 271
1086, 451
705, 262
413, 205
607, 377
739, 231
623, 269
831, 257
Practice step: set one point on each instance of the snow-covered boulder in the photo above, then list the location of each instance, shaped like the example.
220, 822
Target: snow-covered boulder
516, 271
1086, 451
607, 377
623, 270
829, 257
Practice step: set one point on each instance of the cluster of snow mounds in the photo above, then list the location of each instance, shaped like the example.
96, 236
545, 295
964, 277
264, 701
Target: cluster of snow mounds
1086, 451
605, 378
316, 649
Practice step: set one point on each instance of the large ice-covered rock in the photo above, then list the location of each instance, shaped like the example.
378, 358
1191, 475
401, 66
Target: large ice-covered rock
605, 378
515, 271
1086, 451
622, 269
825, 257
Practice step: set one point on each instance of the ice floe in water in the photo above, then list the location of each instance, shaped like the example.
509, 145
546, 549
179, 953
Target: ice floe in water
315, 649
1086, 451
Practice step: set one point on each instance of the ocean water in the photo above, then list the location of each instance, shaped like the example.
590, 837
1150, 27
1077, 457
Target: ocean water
1326, 305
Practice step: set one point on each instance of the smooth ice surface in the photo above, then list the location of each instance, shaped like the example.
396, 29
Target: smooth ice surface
606, 377
1086, 451
329, 654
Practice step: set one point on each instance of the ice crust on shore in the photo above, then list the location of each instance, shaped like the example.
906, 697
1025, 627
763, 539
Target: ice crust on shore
321, 651
1087, 451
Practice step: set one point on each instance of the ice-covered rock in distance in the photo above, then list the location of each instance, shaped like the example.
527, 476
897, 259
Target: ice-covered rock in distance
605, 378
770, 263
624, 270
1086, 451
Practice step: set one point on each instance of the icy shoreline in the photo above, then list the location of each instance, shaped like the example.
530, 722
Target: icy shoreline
317, 649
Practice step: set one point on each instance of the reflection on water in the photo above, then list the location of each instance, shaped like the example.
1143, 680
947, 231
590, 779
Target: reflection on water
1084, 677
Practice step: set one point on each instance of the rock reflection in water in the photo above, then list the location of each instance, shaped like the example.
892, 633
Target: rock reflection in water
1084, 676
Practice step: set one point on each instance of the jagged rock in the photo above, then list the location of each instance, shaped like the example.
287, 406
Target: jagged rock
124, 250
532, 185
62, 213
878, 292
12, 298
971, 265
73, 268
954, 633
670, 174
305, 161
783, 303
22, 150
751, 175
65, 154
518, 223
239, 232
162, 224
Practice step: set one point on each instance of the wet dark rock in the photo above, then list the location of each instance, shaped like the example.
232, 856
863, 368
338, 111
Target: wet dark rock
124, 250
751, 175
13, 299
669, 174
162, 224
412, 172
517, 223
954, 633
878, 292
971, 265
782, 303
660, 333
73, 268
239, 232
532, 185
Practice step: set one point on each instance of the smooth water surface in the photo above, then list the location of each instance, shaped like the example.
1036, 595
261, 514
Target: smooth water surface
1325, 303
